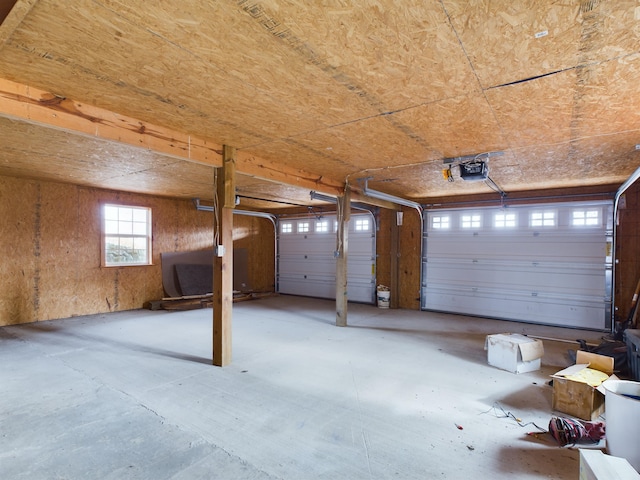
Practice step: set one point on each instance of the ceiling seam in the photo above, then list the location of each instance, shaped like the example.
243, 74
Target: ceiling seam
279, 31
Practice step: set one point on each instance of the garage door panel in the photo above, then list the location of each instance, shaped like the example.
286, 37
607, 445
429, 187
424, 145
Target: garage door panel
583, 314
546, 276
307, 264
556, 274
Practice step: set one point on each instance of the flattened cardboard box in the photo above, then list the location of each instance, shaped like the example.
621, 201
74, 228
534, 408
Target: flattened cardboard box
579, 399
514, 352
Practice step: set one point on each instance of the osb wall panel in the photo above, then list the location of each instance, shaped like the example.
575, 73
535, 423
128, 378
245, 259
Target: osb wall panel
383, 247
257, 235
409, 261
51, 236
627, 252
17, 210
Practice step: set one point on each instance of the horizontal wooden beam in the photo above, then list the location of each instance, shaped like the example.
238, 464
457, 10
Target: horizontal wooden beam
254, 166
361, 198
33, 105
38, 106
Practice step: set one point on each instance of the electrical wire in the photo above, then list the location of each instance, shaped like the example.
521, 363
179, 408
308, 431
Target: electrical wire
496, 406
216, 210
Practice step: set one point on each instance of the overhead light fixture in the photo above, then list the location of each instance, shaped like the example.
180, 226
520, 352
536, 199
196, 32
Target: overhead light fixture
389, 198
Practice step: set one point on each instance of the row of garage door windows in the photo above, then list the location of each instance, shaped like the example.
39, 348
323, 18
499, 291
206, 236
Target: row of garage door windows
547, 218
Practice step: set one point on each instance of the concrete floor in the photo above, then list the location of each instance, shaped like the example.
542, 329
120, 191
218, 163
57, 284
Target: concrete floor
132, 395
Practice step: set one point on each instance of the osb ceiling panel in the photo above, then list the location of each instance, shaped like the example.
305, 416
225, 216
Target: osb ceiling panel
341, 90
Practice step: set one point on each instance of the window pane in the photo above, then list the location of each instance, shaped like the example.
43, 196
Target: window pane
362, 224
111, 226
125, 214
440, 222
322, 226
125, 228
139, 215
110, 212
139, 228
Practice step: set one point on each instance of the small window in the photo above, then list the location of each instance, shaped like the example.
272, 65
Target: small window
470, 221
504, 220
440, 222
322, 226
585, 218
286, 227
543, 219
303, 227
127, 235
362, 225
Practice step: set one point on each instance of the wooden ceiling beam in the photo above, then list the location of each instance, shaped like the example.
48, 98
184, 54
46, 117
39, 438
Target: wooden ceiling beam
254, 166
29, 104
38, 106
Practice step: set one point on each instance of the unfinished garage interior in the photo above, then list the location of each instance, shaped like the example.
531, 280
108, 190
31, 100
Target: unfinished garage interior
206, 203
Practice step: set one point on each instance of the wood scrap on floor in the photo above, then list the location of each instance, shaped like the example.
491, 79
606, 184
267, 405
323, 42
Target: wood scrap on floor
193, 302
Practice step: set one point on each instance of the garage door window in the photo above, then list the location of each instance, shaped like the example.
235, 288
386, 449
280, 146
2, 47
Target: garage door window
286, 228
362, 225
303, 227
543, 219
585, 218
504, 220
322, 226
440, 222
127, 236
470, 221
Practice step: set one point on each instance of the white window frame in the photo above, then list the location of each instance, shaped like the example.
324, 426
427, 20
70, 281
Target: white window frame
130, 228
548, 219
505, 220
286, 227
362, 225
440, 222
471, 220
322, 226
303, 227
586, 217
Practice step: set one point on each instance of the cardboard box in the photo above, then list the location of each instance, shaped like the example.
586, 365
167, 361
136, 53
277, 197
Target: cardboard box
514, 352
595, 465
577, 398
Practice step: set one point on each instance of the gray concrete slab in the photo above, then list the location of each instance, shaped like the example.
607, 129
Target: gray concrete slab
133, 395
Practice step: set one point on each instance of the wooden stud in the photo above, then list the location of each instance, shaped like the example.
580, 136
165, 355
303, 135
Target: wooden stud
342, 298
223, 260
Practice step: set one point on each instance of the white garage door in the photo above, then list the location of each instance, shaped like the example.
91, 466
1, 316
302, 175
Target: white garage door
545, 263
306, 260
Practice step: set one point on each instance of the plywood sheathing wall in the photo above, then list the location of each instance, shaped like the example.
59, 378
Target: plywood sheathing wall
50, 237
627, 252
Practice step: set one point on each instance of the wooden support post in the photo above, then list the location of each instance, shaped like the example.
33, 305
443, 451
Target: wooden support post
223, 258
344, 215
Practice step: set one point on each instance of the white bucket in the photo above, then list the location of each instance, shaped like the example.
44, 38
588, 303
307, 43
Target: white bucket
622, 414
383, 298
